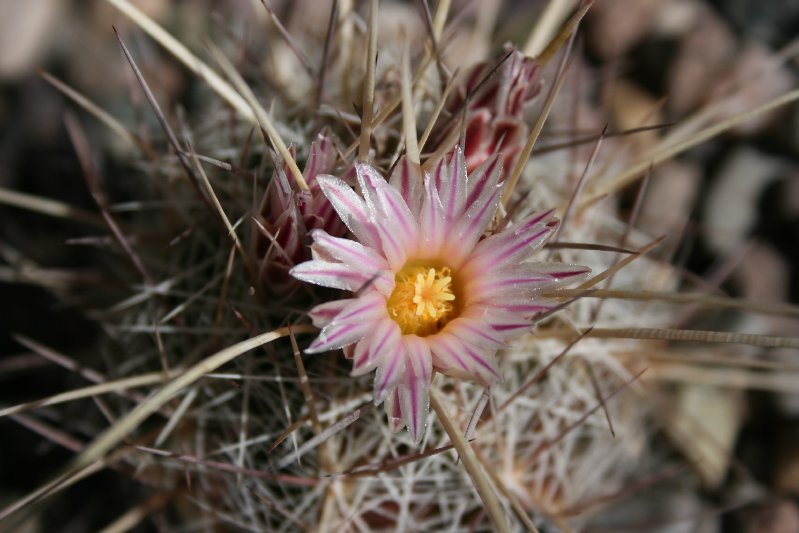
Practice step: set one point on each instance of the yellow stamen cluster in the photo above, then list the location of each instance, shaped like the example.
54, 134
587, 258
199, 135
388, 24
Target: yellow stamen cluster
422, 300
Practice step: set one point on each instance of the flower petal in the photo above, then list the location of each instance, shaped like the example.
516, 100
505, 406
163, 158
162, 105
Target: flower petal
506, 324
520, 288
391, 360
350, 207
461, 359
371, 354
362, 359
484, 177
448, 361
394, 411
359, 258
323, 314
351, 324
476, 332
321, 158
414, 389
432, 220
562, 272
522, 279
333, 275
407, 180
352, 253
514, 244
519, 281
386, 204
395, 252
451, 184
472, 225
527, 307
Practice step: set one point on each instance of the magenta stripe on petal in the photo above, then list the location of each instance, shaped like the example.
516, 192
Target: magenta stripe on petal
403, 175
364, 361
323, 314
392, 361
486, 175
386, 375
532, 220
432, 218
371, 302
351, 324
452, 185
458, 359
394, 411
519, 280
444, 356
476, 365
509, 246
511, 326
336, 336
563, 271
353, 253
388, 208
393, 250
471, 331
527, 309
333, 275
407, 179
472, 225
350, 209
481, 359
415, 384
386, 337
521, 244
438, 173
506, 324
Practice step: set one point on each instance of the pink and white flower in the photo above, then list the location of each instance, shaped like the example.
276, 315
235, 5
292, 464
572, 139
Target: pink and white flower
431, 291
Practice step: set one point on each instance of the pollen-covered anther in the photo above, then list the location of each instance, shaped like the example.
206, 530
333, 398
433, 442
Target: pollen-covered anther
422, 300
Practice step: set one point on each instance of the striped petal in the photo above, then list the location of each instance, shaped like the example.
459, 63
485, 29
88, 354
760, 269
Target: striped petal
415, 386
394, 411
362, 360
563, 273
333, 275
432, 220
386, 333
407, 180
476, 332
321, 158
357, 257
506, 324
352, 253
338, 276
472, 225
519, 281
386, 205
527, 307
485, 177
454, 356
514, 244
391, 363
323, 314
520, 288
451, 185
351, 324
350, 208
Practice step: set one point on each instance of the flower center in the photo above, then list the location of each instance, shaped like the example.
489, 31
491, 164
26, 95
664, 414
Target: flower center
423, 300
